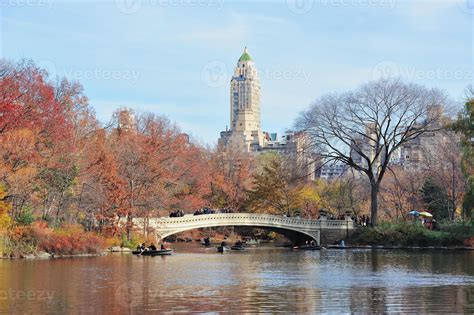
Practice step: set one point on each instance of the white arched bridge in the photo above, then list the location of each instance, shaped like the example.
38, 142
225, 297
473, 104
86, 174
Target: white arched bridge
295, 229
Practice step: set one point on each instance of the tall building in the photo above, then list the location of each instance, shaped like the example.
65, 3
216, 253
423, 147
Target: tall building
245, 133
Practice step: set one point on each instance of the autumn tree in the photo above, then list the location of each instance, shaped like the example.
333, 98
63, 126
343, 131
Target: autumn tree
231, 178
102, 197
364, 128
273, 188
36, 125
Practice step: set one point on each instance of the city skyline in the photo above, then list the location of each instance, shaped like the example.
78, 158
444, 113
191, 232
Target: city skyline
303, 50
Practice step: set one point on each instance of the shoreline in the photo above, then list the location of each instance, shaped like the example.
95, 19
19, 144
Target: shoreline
402, 247
46, 256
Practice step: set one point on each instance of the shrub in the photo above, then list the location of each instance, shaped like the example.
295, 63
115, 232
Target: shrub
68, 240
71, 240
134, 241
413, 234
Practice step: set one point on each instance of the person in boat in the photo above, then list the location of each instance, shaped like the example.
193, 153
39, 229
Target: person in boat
342, 244
312, 243
152, 247
141, 247
239, 243
162, 247
207, 241
223, 244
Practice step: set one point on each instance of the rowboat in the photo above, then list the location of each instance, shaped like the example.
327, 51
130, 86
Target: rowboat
160, 252
307, 247
237, 247
337, 247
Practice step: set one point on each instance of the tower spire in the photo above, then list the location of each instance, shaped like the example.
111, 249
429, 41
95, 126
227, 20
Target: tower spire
245, 55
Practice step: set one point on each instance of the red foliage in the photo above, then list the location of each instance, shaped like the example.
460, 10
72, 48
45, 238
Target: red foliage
61, 243
469, 242
70, 240
29, 101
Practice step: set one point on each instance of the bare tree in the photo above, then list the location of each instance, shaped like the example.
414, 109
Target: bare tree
364, 128
443, 165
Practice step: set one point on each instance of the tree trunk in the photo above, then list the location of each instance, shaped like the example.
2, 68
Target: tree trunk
453, 191
374, 192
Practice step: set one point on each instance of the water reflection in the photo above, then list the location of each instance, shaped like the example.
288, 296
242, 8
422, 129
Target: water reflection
259, 280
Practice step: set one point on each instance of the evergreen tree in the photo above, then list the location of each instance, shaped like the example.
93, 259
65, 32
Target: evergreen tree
465, 126
436, 199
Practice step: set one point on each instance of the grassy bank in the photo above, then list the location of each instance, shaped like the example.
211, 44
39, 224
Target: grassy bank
414, 234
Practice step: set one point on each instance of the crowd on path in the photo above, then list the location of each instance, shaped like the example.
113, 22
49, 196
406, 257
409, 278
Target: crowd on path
363, 220
177, 214
205, 210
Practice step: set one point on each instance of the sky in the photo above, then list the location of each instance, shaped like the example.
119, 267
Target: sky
176, 57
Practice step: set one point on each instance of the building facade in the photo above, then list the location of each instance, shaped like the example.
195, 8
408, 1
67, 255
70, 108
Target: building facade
414, 154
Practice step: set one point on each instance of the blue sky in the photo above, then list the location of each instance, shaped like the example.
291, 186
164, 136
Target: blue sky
175, 57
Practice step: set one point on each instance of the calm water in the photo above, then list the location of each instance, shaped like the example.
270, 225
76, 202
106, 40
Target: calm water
259, 280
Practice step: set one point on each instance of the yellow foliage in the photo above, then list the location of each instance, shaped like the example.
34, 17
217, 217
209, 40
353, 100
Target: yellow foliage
309, 194
6, 221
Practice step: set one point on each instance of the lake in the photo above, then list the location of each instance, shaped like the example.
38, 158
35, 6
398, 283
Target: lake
196, 279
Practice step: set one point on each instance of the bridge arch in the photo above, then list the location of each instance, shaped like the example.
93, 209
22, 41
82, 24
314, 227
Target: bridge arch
296, 237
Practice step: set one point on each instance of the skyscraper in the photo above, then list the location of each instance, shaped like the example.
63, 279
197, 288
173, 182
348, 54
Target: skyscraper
245, 133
